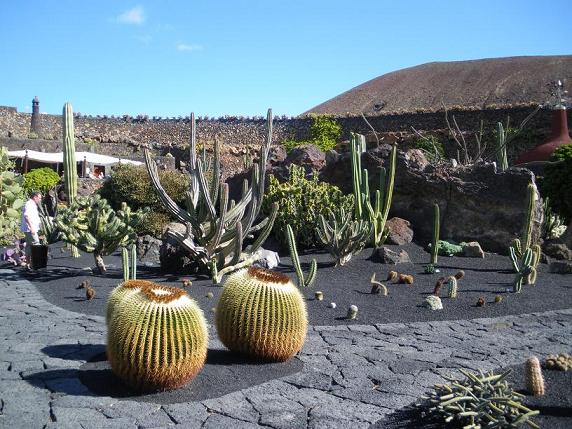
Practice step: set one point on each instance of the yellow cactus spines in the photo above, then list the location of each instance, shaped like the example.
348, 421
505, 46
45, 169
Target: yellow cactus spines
157, 337
533, 376
261, 313
124, 289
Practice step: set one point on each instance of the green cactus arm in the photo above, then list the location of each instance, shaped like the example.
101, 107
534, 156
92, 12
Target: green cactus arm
531, 204
311, 278
514, 259
436, 228
215, 179
125, 263
267, 229
390, 183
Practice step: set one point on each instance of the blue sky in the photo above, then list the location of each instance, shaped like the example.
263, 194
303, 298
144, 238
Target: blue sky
171, 57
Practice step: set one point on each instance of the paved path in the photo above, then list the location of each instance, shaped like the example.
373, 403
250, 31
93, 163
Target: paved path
353, 375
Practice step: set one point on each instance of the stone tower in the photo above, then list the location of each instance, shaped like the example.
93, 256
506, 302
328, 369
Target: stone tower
36, 125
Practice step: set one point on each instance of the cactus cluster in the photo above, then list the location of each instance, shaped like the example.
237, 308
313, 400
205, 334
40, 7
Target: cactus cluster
560, 362
376, 215
478, 400
524, 255
342, 236
533, 376
11, 197
214, 240
90, 224
303, 281
262, 314
157, 336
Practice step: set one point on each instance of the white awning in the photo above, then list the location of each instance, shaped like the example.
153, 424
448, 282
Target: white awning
58, 157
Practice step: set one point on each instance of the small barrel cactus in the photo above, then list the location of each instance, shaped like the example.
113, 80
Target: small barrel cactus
352, 312
261, 313
561, 362
157, 336
533, 375
392, 275
319, 295
452, 287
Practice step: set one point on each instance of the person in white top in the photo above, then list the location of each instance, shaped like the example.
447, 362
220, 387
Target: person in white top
31, 223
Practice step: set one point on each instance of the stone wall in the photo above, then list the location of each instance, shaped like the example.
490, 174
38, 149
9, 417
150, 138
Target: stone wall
113, 133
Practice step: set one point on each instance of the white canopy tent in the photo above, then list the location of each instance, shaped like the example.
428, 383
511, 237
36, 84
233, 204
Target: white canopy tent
58, 157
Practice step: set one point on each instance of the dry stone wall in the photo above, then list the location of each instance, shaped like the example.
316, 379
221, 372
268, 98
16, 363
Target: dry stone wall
114, 133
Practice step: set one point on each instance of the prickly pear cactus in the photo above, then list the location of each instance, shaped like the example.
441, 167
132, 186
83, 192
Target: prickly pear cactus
11, 197
157, 337
262, 314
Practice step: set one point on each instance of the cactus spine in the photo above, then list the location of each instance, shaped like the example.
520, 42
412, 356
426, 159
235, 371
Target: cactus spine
70, 165
452, 287
534, 379
261, 313
436, 228
157, 338
302, 280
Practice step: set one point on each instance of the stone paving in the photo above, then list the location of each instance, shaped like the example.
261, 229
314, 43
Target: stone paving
353, 375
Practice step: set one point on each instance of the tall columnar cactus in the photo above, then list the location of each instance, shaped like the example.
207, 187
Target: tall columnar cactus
90, 224
525, 257
215, 239
363, 209
129, 250
303, 281
157, 336
70, 165
262, 314
501, 148
533, 375
435, 242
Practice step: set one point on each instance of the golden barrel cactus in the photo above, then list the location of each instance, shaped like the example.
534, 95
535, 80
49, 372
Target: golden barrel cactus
157, 336
124, 289
262, 314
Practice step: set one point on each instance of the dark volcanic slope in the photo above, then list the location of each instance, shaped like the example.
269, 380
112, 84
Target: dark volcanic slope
471, 84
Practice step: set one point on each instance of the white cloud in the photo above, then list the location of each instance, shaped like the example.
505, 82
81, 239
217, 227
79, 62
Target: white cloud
145, 39
135, 16
185, 47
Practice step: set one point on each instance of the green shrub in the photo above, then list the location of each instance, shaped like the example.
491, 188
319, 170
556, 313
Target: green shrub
132, 185
301, 202
557, 182
40, 179
324, 133
432, 148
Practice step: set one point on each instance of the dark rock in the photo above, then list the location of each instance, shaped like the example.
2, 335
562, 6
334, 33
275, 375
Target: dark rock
387, 256
472, 249
308, 156
557, 249
332, 157
399, 231
567, 236
560, 267
149, 250
476, 202
277, 154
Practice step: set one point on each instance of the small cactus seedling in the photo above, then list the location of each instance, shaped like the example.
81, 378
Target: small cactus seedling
438, 286
332, 305
377, 287
433, 302
533, 375
452, 287
460, 274
481, 302
561, 362
89, 293
209, 295
352, 312
187, 283
319, 295
498, 298
405, 279
391, 276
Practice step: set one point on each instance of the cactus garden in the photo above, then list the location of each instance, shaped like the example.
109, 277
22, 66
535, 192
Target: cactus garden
267, 273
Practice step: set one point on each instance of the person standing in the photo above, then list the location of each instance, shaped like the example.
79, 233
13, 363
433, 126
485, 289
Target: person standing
31, 223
